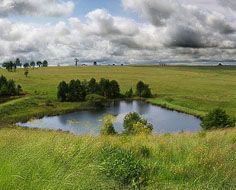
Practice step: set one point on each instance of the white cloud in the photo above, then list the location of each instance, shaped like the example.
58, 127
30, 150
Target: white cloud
171, 31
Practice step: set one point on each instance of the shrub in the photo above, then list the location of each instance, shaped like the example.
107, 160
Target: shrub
129, 120
107, 127
142, 127
134, 124
124, 167
129, 93
143, 90
95, 100
8, 87
217, 118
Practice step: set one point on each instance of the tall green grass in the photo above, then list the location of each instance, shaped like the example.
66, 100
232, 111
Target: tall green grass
34, 159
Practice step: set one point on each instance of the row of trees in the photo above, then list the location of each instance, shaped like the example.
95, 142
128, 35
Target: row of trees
9, 88
12, 66
76, 90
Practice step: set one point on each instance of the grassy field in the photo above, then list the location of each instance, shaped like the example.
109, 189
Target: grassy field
32, 159
194, 90
36, 159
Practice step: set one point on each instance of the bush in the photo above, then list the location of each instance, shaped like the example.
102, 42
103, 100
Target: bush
129, 93
123, 166
217, 118
135, 124
9, 88
142, 127
143, 90
107, 127
95, 100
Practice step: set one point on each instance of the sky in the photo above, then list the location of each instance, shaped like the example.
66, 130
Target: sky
118, 31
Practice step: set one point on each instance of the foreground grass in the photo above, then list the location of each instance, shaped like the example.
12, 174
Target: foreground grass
34, 159
194, 90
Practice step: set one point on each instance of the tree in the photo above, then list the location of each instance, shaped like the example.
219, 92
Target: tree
217, 118
114, 89
39, 63
105, 87
62, 91
95, 63
93, 87
139, 88
18, 63
76, 62
32, 64
8, 87
45, 63
143, 90
146, 93
76, 92
26, 65
9, 66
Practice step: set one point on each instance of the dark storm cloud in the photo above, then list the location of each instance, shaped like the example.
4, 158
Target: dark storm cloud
32, 7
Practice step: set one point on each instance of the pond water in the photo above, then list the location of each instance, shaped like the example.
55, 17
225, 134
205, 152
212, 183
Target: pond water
88, 122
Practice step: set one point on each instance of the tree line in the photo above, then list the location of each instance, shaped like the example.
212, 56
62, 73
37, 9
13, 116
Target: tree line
12, 65
76, 91
9, 88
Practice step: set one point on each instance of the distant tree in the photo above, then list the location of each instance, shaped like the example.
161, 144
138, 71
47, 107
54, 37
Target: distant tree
62, 91
26, 73
39, 63
76, 62
10, 66
217, 118
95, 63
26, 65
32, 64
45, 63
18, 63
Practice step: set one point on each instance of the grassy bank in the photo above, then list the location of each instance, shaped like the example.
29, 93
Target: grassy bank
194, 90
34, 159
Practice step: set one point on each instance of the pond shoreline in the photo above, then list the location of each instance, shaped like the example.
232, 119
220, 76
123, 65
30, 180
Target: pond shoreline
86, 108
89, 118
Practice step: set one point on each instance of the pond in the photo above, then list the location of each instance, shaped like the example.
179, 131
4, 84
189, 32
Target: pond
88, 122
